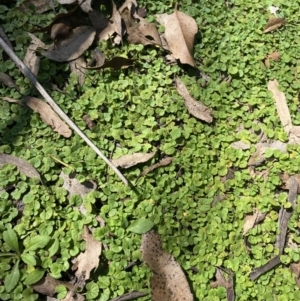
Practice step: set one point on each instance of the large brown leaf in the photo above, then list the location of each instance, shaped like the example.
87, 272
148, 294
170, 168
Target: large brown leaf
196, 108
128, 161
180, 34
273, 23
168, 282
48, 115
73, 46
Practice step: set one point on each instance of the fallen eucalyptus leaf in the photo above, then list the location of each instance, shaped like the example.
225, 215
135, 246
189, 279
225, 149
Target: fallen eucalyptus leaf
196, 108
23, 166
78, 67
73, 46
48, 115
31, 60
168, 282
273, 23
128, 161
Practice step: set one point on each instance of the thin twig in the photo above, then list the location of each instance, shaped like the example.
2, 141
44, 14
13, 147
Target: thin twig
56, 108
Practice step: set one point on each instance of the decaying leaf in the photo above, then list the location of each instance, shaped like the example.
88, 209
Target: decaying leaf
116, 19
98, 58
23, 166
85, 5
89, 259
281, 105
285, 178
47, 285
252, 220
73, 46
221, 281
41, 6
128, 161
240, 145
31, 60
12, 100
196, 108
273, 24
164, 162
180, 34
295, 268
116, 62
88, 121
8, 81
73, 186
168, 282
274, 56
60, 31
48, 115
78, 67
149, 30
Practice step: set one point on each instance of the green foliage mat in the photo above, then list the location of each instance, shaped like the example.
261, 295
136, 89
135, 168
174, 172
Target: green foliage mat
139, 110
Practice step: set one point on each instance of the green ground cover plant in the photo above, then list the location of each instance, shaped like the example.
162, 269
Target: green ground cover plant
194, 204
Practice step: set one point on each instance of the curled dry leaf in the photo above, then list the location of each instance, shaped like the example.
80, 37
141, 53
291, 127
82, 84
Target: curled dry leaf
48, 115
253, 220
180, 34
23, 166
47, 285
273, 24
168, 281
128, 161
8, 81
281, 105
73, 46
196, 108
89, 259
164, 162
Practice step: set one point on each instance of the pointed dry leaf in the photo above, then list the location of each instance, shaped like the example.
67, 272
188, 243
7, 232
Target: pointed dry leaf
31, 60
48, 115
196, 108
76, 67
274, 56
162, 19
88, 260
252, 220
168, 282
164, 162
73, 46
8, 81
116, 19
180, 34
131, 160
281, 105
47, 285
23, 166
131, 5
273, 24
117, 63
295, 268
12, 100
36, 41
285, 178
73, 186
149, 30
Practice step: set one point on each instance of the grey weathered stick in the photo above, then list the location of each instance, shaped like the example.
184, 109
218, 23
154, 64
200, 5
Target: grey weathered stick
56, 108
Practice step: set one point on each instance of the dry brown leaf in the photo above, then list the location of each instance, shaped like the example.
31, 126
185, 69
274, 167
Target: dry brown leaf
180, 34
23, 166
295, 268
89, 259
294, 136
131, 5
48, 115
85, 5
168, 282
274, 56
128, 161
8, 81
285, 178
281, 105
252, 220
149, 30
60, 31
164, 162
36, 41
273, 24
73, 46
228, 284
99, 21
196, 108
240, 145
117, 62
78, 67
47, 285
116, 19
31, 60
12, 100
87, 119
41, 6
98, 58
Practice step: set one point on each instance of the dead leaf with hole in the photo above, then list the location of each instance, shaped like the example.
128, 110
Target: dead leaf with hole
117, 63
168, 281
273, 23
196, 108
164, 162
295, 268
149, 30
221, 281
253, 220
89, 259
73, 46
180, 31
8, 81
128, 161
47, 285
281, 105
22, 165
48, 115
78, 67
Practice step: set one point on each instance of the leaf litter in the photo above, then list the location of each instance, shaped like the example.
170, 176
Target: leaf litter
128, 161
